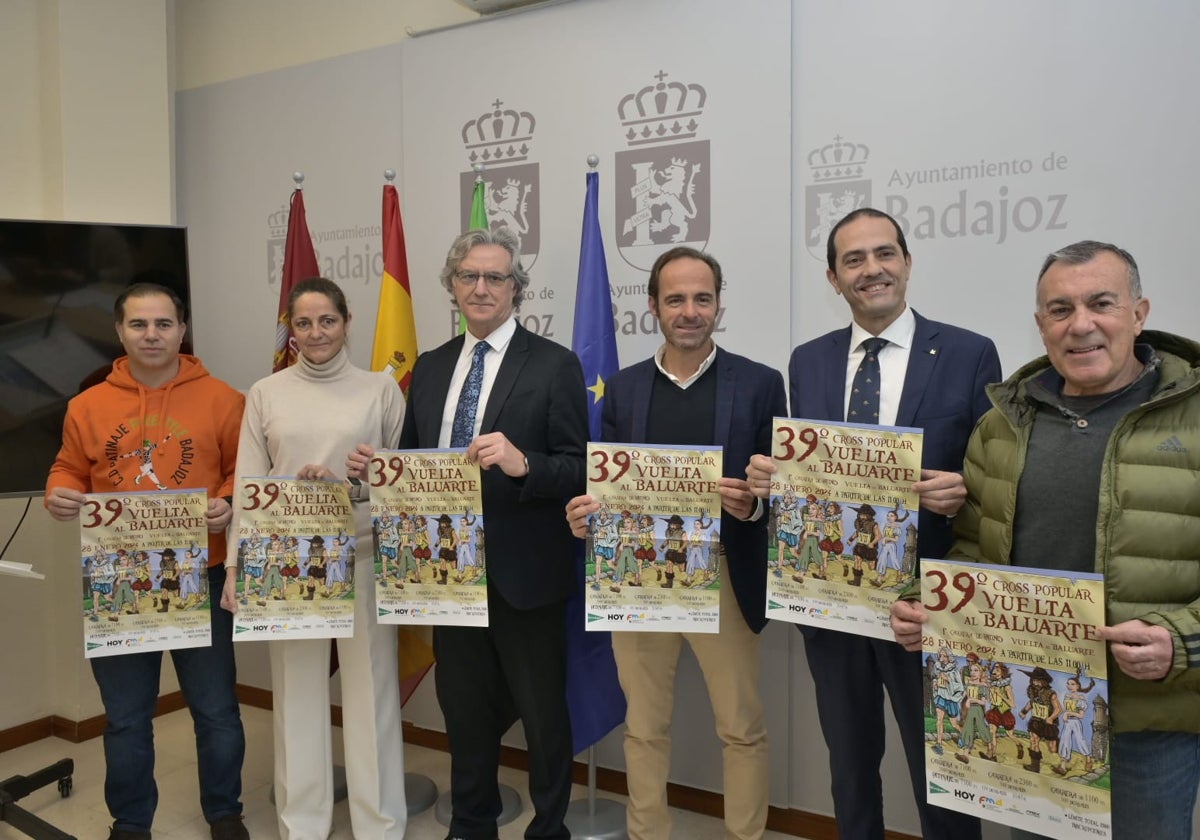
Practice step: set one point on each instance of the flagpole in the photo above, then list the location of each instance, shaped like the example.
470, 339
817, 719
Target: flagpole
594, 818
420, 791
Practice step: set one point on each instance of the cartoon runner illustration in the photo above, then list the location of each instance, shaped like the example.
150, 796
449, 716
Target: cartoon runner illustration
447, 545
145, 452
189, 575
168, 585
317, 558
338, 556
627, 551
1072, 739
141, 577
422, 552
387, 538
831, 543
864, 539
645, 552
890, 554
604, 543
1043, 726
672, 546
787, 532
812, 528
466, 548
974, 725
410, 566
123, 582
104, 576
697, 558
947, 693
291, 565
272, 572
254, 563
999, 714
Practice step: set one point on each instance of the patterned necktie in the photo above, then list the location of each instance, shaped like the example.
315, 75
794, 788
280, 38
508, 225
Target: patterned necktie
864, 391
463, 429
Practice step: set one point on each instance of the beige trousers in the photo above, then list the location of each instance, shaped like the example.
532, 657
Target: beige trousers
730, 662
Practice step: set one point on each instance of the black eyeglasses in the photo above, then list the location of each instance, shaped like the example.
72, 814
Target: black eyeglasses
470, 278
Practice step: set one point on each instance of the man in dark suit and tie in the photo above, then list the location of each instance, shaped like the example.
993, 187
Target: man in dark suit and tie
516, 401
694, 393
923, 374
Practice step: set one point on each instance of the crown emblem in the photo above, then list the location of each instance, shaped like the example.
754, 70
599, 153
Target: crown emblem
277, 222
499, 136
661, 112
838, 161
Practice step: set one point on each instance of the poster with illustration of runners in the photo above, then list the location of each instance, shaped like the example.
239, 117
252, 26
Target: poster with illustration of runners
145, 584
295, 547
1016, 697
653, 558
842, 527
430, 558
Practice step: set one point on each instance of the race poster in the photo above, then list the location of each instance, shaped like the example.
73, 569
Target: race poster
430, 558
145, 571
1016, 697
654, 559
842, 532
295, 549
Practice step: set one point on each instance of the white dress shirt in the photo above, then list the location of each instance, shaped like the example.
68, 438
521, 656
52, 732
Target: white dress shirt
893, 363
499, 340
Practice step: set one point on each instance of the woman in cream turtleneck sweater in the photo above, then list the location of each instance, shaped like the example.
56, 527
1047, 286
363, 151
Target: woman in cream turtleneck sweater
301, 422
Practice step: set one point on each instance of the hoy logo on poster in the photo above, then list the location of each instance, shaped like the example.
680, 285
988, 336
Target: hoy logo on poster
501, 138
662, 179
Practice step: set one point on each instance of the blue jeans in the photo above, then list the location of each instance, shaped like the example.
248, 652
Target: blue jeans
1155, 776
129, 689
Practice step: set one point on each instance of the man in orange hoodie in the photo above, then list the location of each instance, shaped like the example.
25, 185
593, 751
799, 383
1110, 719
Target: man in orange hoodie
157, 394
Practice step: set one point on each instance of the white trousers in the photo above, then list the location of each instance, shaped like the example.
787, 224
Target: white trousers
370, 728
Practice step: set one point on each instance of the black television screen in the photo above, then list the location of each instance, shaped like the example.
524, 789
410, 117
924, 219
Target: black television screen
58, 283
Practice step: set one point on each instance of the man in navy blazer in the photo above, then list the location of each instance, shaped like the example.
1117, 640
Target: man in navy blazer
694, 393
529, 435
932, 377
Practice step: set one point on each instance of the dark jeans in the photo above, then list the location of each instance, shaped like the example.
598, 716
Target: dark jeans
1154, 779
129, 688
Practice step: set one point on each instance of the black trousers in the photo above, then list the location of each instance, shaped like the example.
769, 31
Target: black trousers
487, 678
850, 673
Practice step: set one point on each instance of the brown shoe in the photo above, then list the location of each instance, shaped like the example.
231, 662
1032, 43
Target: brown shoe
962, 758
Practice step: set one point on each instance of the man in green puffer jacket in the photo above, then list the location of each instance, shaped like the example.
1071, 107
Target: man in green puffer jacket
1104, 429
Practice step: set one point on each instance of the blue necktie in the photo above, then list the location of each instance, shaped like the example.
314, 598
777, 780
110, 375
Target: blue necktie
463, 429
864, 391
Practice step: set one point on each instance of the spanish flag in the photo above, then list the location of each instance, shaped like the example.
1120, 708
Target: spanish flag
395, 347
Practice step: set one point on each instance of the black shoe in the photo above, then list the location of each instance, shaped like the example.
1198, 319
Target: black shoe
229, 827
123, 834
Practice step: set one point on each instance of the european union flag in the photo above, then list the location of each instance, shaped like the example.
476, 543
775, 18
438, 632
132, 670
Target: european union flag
595, 336
594, 695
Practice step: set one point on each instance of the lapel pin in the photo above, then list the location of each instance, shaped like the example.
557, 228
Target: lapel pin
933, 351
